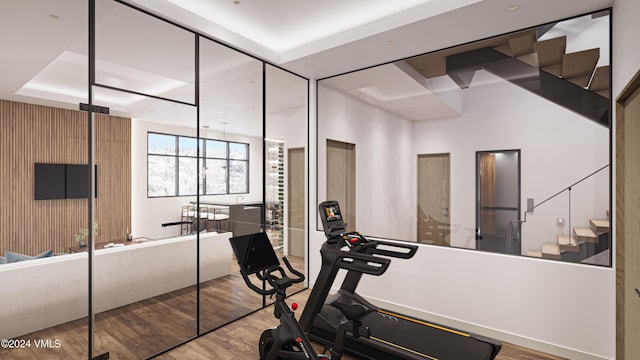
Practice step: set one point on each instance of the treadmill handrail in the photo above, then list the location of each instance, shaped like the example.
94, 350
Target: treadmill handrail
396, 254
363, 265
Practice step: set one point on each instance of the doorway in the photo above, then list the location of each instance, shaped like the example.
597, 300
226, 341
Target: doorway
627, 227
434, 225
295, 203
497, 200
341, 179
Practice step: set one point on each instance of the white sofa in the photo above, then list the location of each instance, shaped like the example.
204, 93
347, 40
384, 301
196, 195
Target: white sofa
41, 293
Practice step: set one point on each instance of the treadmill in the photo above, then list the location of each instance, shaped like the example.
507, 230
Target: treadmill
382, 334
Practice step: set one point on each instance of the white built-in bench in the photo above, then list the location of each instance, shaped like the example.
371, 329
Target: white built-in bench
41, 293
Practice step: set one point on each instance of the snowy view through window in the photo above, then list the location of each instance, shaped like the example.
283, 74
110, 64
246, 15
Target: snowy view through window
172, 166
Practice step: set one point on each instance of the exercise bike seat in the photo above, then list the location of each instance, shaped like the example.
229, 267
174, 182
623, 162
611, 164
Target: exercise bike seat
351, 312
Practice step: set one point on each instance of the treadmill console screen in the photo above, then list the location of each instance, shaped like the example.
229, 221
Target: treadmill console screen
331, 217
332, 212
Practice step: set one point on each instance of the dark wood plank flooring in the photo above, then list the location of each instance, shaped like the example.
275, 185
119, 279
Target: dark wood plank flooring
142, 329
239, 340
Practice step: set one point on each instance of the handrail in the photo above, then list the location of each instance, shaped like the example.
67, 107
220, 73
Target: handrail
568, 188
563, 190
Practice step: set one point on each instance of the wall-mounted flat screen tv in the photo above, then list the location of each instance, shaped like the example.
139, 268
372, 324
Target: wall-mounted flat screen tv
77, 183
49, 181
62, 181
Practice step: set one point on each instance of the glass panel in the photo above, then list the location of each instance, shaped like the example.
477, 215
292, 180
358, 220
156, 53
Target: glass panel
188, 168
187, 146
161, 144
231, 111
238, 151
161, 176
216, 149
238, 177
128, 46
149, 299
285, 165
216, 174
146, 222
543, 90
43, 270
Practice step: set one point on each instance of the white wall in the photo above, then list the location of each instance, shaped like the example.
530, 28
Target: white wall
558, 148
561, 308
383, 194
147, 214
626, 48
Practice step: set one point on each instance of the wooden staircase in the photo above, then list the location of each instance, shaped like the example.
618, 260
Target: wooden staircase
550, 56
571, 247
570, 80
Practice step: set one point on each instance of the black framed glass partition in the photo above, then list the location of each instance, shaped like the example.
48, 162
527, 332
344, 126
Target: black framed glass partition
145, 272
231, 121
176, 136
286, 129
410, 129
44, 139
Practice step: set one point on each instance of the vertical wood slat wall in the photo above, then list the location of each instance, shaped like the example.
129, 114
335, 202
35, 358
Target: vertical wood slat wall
32, 134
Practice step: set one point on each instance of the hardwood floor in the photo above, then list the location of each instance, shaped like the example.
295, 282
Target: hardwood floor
142, 329
239, 340
145, 328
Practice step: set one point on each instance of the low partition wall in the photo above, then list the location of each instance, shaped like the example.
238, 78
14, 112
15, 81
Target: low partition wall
42, 293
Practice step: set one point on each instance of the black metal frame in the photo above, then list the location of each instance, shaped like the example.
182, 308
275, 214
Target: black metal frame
91, 146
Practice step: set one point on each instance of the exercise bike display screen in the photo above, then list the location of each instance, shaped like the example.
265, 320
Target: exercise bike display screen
254, 252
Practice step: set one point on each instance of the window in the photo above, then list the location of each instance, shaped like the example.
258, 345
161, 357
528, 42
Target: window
172, 166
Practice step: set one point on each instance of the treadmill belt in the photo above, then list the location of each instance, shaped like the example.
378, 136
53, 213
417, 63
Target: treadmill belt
423, 339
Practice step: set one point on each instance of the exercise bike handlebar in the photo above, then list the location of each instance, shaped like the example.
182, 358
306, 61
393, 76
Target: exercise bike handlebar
277, 281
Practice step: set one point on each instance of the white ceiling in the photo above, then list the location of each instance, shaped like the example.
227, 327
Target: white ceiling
45, 43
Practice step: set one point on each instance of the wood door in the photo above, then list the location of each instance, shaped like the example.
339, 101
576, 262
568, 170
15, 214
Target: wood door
497, 200
433, 199
341, 179
627, 224
295, 202
488, 193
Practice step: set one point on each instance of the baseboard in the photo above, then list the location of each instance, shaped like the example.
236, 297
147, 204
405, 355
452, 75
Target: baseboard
515, 339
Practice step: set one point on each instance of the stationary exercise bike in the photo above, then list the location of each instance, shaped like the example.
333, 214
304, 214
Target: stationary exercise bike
256, 256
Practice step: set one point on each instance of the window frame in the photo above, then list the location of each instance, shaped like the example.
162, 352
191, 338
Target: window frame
201, 158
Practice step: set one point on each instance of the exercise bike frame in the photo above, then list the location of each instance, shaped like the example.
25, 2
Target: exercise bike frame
289, 332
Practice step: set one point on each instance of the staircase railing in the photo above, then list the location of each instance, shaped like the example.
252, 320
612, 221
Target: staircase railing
515, 226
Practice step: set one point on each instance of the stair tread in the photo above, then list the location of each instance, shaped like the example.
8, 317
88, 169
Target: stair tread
551, 251
582, 81
529, 59
600, 80
600, 222
584, 232
551, 248
534, 253
568, 243
522, 45
550, 51
580, 63
567, 240
555, 70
